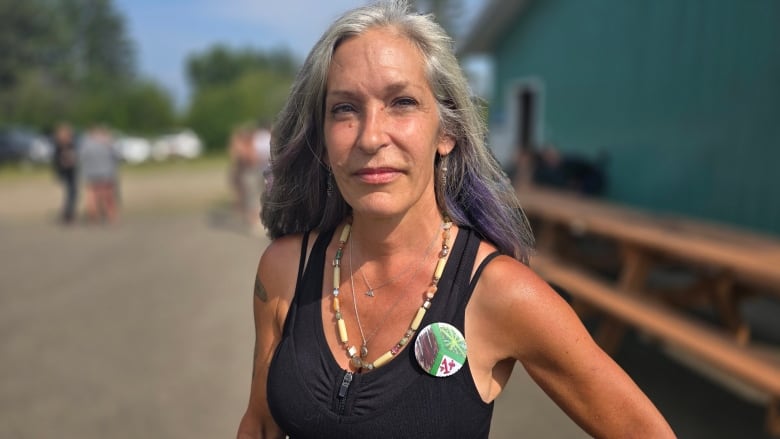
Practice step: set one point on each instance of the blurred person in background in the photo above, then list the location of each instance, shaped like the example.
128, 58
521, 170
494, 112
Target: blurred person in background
549, 167
245, 176
65, 167
99, 168
395, 297
262, 143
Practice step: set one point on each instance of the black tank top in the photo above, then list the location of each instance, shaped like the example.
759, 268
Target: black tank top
311, 396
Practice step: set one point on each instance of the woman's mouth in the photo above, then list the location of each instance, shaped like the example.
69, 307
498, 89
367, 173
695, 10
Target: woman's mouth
377, 175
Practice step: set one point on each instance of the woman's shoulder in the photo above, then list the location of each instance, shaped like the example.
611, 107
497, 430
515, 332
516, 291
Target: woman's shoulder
519, 307
510, 289
279, 263
283, 247
502, 269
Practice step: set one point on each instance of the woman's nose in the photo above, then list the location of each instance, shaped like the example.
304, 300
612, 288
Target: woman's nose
373, 133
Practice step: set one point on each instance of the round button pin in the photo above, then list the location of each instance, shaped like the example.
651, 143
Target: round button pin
440, 349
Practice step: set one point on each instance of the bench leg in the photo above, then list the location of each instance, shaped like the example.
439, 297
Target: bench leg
609, 335
634, 273
547, 237
632, 277
726, 302
583, 309
773, 417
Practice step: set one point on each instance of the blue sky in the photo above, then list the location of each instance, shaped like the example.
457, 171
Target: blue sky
166, 31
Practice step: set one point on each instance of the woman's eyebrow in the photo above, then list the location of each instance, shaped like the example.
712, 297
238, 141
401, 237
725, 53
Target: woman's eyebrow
392, 88
343, 94
396, 87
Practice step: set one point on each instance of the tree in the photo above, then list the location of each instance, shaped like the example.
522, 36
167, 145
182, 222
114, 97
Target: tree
68, 40
96, 40
446, 12
23, 36
221, 65
255, 97
73, 60
35, 102
140, 106
233, 87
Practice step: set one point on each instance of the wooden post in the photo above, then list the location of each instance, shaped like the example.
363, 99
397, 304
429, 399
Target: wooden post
547, 238
633, 275
773, 417
726, 302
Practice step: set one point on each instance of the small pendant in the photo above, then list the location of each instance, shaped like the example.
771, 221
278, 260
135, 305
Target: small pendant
363, 351
370, 293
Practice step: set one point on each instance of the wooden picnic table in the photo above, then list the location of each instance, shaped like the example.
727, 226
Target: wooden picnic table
726, 262
752, 257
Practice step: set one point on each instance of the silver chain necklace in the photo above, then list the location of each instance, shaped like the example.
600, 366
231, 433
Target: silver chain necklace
365, 340
371, 292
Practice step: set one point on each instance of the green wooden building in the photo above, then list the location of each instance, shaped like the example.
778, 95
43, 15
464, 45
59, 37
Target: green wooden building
682, 96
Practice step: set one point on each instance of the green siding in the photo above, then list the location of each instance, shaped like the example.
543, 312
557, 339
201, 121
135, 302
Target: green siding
683, 95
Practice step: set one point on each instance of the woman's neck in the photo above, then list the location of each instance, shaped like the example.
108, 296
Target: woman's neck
379, 239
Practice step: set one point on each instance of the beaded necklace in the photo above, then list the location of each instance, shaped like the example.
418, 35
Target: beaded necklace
355, 358
364, 345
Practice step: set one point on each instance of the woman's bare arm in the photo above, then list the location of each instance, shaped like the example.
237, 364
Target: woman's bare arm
534, 325
273, 292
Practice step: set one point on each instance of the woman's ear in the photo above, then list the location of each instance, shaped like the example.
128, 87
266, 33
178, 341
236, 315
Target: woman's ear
446, 145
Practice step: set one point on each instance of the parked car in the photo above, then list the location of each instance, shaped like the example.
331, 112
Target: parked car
24, 145
184, 144
134, 149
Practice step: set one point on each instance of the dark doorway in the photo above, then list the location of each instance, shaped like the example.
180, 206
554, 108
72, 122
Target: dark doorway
527, 107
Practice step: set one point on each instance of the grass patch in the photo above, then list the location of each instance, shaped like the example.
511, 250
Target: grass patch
27, 171
22, 171
200, 163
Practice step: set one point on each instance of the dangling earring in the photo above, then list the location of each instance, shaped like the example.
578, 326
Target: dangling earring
443, 173
441, 189
329, 186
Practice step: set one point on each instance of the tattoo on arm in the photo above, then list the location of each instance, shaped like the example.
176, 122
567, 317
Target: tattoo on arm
260, 292
262, 295
254, 359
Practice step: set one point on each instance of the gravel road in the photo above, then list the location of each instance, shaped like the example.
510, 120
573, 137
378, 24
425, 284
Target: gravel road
144, 328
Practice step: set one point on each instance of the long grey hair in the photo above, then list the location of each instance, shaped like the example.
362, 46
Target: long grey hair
476, 194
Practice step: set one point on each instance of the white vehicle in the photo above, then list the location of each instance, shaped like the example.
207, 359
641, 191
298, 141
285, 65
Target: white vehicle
185, 144
41, 150
134, 149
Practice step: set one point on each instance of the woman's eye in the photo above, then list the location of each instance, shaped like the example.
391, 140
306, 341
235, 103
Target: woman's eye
342, 108
405, 102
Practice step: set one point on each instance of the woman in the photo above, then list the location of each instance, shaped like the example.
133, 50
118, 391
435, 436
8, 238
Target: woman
245, 175
388, 217
65, 166
99, 164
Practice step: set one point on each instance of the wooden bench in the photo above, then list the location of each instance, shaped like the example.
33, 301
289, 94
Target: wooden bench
746, 363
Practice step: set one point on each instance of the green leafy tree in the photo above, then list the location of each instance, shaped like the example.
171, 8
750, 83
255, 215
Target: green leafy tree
95, 39
446, 12
24, 34
235, 87
255, 97
139, 107
73, 60
221, 65
34, 101
68, 40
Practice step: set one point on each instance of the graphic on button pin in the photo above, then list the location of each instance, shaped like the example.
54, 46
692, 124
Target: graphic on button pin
440, 349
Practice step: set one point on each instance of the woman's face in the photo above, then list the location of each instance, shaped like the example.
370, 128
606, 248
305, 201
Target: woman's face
382, 124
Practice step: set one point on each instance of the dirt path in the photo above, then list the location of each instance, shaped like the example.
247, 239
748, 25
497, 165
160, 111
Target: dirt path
144, 329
